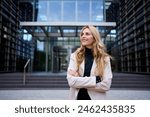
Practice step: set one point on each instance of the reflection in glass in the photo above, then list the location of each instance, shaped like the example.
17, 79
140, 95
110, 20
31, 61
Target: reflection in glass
69, 11
54, 11
97, 10
83, 11
40, 45
42, 11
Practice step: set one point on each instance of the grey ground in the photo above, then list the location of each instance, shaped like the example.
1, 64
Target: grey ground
113, 94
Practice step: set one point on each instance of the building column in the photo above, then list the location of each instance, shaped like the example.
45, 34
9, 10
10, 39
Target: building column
32, 54
69, 51
46, 51
146, 43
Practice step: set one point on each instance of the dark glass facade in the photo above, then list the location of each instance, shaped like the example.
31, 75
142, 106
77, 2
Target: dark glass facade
132, 45
14, 51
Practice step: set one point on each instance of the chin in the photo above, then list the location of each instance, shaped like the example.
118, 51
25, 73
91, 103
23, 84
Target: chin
86, 44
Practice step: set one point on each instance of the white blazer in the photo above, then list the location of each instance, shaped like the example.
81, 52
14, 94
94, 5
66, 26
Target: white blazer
95, 90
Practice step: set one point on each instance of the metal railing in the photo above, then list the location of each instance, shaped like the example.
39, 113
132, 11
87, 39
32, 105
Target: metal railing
24, 75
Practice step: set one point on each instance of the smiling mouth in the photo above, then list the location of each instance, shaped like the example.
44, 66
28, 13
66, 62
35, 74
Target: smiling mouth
84, 39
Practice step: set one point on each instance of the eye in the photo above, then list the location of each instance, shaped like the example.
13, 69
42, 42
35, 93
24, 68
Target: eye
81, 34
87, 33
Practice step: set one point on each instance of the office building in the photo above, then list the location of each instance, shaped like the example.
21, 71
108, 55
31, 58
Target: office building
46, 31
13, 49
132, 45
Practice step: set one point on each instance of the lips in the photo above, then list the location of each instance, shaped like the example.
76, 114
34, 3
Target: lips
84, 40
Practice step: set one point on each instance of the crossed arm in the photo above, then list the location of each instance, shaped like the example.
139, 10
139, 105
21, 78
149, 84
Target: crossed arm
77, 81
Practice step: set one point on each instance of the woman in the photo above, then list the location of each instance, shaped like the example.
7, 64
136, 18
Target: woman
89, 72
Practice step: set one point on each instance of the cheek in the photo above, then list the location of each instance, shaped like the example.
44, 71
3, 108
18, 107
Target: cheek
91, 40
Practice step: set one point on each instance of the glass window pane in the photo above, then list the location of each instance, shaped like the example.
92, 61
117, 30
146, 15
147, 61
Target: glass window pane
40, 45
42, 11
69, 11
83, 11
55, 10
97, 10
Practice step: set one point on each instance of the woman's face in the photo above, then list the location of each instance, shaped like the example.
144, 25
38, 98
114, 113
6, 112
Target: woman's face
86, 38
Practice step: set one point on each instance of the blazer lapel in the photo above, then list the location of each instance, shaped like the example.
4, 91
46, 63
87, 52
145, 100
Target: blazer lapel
81, 69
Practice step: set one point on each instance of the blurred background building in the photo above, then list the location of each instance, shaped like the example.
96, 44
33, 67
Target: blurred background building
132, 44
46, 32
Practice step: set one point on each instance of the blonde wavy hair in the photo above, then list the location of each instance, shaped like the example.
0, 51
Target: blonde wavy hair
98, 50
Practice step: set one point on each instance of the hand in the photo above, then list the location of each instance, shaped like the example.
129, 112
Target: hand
73, 73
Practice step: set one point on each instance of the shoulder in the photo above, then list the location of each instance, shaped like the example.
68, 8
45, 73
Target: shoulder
73, 55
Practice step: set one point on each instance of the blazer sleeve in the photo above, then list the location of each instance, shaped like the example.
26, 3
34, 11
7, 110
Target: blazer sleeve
105, 84
78, 82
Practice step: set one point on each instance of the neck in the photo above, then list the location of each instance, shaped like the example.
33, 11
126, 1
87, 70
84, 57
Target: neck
89, 47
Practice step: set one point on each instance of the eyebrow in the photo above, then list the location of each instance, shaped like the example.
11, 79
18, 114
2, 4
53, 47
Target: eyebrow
86, 33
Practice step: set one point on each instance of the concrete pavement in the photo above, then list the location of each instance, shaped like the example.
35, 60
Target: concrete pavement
47, 94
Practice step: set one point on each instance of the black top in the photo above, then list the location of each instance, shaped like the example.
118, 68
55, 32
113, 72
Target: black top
83, 94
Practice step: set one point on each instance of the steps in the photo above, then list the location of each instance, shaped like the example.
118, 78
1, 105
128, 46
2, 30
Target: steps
130, 81
56, 81
33, 81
